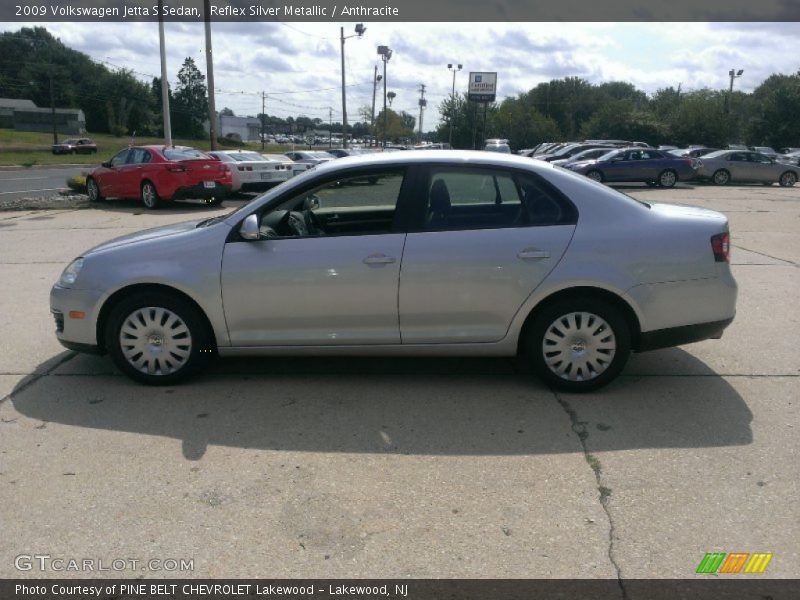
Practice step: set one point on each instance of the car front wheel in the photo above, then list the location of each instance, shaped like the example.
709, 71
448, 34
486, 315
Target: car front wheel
595, 175
157, 338
93, 190
579, 345
721, 177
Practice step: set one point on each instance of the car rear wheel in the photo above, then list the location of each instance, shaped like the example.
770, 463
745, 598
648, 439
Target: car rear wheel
93, 190
579, 345
150, 196
667, 178
595, 175
788, 179
721, 177
157, 338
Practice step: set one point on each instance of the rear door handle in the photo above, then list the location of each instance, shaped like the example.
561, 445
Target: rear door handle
533, 253
379, 259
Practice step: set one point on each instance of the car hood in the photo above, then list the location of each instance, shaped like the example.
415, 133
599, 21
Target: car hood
683, 210
147, 234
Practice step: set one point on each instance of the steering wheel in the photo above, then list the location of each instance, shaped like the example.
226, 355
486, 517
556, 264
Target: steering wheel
295, 221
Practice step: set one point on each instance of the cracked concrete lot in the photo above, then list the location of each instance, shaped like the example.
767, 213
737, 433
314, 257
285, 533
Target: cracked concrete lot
366, 467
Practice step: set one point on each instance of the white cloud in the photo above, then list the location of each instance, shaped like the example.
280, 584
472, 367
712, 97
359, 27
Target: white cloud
283, 57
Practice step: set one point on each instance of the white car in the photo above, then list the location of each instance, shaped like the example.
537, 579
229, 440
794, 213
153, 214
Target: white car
251, 171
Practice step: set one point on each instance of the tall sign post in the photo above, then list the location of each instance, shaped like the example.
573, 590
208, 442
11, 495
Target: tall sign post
482, 89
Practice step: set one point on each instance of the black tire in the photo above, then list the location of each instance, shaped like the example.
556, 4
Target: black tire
93, 190
788, 179
611, 330
149, 195
667, 178
595, 175
167, 361
721, 177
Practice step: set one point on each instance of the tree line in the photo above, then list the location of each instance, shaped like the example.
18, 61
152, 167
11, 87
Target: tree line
573, 108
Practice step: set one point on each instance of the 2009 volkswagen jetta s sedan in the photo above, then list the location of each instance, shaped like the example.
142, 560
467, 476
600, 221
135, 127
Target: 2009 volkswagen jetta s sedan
410, 253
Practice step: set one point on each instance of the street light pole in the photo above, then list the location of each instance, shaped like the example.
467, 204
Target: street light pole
212, 108
733, 75
375, 79
453, 98
386, 54
360, 29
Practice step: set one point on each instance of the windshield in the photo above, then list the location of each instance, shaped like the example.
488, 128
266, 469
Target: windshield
610, 155
320, 155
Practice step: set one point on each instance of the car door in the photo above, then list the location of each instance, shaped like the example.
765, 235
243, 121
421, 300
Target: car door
129, 175
481, 241
762, 168
108, 176
334, 284
739, 167
622, 167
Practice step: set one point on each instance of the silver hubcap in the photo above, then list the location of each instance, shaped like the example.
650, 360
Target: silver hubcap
668, 179
721, 177
155, 341
788, 179
578, 346
148, 195
594, 175
92, 190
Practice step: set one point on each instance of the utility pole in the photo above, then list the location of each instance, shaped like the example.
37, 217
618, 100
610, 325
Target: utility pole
422, 104
263, 118
455, 69
385, 53
212, 110
375, 79
53, 107
330, 127
164, 81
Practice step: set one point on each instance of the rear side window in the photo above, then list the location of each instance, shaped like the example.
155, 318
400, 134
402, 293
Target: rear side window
138, 156
463, 199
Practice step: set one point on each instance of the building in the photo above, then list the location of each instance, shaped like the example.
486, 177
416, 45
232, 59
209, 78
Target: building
243, 129
23, 115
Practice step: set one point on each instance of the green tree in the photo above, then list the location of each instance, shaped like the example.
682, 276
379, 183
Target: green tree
190, 105
396, 126
776, 106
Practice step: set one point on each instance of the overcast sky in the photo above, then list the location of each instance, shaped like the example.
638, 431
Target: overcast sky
304, 57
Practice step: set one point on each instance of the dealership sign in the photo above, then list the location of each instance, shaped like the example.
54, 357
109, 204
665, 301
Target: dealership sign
482, 87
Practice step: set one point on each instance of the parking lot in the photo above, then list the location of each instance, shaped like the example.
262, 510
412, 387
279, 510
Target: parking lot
367, 467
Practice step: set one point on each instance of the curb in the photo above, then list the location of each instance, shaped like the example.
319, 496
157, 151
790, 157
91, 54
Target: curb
58, 166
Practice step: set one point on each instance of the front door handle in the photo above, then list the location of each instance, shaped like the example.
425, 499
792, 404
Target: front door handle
379, 259
533, 253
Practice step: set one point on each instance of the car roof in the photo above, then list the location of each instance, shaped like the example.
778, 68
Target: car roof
466, 157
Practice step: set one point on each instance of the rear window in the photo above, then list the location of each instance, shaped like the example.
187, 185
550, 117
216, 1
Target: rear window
247, 157
184, 154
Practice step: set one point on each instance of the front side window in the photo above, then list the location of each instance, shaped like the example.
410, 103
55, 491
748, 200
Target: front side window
120, 158
357, 204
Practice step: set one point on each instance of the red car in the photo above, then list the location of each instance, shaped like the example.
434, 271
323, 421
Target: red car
75, 146
159, 173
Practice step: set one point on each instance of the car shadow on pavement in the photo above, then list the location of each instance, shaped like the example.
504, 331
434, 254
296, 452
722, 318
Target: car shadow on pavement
443, 406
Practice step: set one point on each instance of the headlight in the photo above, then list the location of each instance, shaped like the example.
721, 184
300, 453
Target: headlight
70, 274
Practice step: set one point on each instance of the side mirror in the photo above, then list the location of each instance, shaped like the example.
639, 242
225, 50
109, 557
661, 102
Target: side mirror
249, 229
106, 164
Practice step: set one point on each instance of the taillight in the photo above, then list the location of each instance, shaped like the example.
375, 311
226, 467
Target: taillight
176, 169
245, 168
721, 247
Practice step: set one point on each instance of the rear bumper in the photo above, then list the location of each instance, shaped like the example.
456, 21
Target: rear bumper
677, 336
220, 190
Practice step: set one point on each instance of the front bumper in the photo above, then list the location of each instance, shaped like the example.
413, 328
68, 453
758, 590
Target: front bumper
75, 332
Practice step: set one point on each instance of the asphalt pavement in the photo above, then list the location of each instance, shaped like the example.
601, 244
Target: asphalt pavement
33, 182
370, 467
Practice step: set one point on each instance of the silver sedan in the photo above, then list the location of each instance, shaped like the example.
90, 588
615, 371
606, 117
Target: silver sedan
461, 253
740, 166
